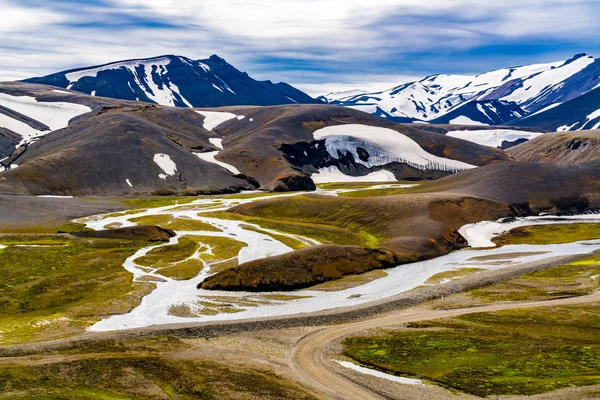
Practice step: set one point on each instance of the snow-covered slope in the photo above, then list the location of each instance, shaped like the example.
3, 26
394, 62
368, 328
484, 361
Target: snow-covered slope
32, 119
495, 137
176, 81
581, 113
373, 146
529, 88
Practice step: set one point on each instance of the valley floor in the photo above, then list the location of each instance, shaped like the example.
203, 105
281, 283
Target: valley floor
166, 339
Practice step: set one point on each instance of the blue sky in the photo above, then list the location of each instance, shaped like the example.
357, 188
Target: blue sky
317, 45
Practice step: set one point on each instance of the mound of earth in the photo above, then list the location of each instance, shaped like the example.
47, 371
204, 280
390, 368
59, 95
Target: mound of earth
408, 228
303, 268
562, 148
413, 226
532, 188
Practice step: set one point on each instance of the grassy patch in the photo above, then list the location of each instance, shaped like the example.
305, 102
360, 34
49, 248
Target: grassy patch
374, 192
63, 287
137, 376
47, 229
166, 256
184, 270
288, 241
320, 218
574, 279
154, 202
176, 224
549, 234
516, 352
222, 249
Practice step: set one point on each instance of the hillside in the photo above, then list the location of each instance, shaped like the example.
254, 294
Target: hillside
562, 148
74, 144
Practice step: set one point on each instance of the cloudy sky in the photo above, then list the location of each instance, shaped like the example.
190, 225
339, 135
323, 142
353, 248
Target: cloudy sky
318, 45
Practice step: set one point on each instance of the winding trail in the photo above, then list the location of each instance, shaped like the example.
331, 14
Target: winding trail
310, 363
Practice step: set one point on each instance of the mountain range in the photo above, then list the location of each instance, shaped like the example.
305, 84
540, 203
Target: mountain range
548, 96
176, 81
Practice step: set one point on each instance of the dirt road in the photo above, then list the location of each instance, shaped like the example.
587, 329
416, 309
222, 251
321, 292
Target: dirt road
309, 361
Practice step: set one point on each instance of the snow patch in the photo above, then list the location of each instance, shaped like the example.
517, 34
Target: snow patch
480, 234
210, 157
384, 146
166, 164
379, 374
464, 120
218, 143
494, 137
333, 174
212, 119
55, 115
51, 196
128, 182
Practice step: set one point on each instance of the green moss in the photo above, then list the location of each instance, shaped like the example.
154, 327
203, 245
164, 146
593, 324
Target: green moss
59, 289
141, 377
574, 279
308, 217
184, 270
288, 241
222, 249
517, 352
47, 229
374, 192
153, 202
176, 224
549, 234
165, 256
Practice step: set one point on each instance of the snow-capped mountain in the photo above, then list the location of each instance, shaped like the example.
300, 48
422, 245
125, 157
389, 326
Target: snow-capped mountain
513, 93
176, 81
580, 113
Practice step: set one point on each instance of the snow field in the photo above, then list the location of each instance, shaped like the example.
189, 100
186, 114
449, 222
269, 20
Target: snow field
384, 146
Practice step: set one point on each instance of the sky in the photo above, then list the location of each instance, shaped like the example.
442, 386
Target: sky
317, 45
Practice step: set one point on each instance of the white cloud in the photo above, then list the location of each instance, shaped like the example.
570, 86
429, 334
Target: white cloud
344, 43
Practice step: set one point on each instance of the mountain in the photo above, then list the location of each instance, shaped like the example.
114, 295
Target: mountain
518, 91
176, 81
61, 142
488, 112
580, 113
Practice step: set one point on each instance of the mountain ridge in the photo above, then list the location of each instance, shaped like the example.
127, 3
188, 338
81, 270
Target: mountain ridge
175, 81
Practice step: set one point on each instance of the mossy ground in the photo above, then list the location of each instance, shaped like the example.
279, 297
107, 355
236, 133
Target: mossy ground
139, 369
177, 224
63, 286
516, 352
549, 234
374, 192
313, 217
288, 241
166, 256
